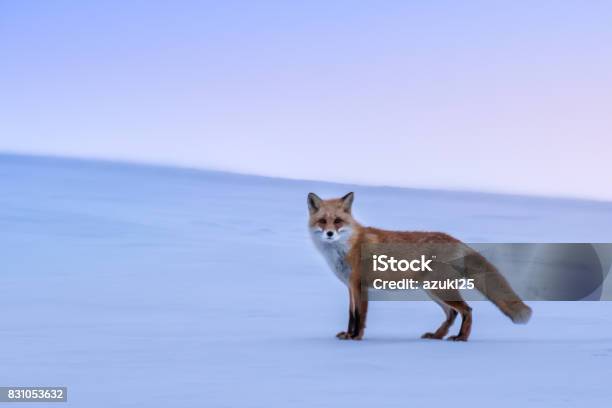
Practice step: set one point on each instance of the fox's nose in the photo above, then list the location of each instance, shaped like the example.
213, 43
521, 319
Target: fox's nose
330, 233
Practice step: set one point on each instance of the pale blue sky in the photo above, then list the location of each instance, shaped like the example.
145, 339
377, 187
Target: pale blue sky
492, 96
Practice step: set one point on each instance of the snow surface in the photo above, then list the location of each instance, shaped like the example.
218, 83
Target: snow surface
141, 286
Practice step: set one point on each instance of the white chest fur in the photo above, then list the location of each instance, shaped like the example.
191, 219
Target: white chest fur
335, 255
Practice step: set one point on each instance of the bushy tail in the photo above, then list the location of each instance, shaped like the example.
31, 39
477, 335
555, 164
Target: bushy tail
496, 288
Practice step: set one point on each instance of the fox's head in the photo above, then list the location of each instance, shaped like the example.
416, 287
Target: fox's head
331, 220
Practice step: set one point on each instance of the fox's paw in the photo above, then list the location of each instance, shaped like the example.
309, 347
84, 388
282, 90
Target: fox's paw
343, 335
433, 336
347, 336
457, 338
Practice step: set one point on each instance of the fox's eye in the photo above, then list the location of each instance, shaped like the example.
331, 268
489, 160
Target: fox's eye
337, 221
323, 221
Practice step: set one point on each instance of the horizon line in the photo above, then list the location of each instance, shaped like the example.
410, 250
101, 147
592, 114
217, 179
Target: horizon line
188, 167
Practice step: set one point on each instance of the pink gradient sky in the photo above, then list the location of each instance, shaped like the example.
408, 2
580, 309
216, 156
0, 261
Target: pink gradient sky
514, 98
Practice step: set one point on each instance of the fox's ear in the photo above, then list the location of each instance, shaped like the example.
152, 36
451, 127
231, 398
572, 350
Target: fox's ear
347, 201
314, 203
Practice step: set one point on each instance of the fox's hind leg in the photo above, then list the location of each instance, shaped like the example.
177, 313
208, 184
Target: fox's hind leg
466, 319
451, 315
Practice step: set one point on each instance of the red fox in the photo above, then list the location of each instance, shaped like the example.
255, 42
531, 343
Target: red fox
340, 238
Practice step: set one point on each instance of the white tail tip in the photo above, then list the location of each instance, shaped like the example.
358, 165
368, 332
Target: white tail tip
523, 315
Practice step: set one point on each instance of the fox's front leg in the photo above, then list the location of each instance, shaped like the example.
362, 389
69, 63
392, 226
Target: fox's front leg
345, 335
361, 312
357, 315
358, 300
